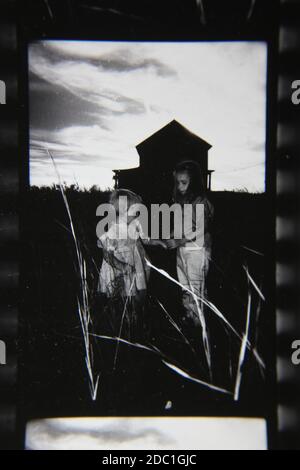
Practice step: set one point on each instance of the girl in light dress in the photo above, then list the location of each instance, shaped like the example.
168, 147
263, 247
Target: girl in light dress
193, 258
124, 273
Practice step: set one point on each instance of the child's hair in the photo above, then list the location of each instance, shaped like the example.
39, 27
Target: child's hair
132, 198
196, 187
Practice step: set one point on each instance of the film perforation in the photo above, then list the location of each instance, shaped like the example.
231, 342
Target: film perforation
8, 216
287, 228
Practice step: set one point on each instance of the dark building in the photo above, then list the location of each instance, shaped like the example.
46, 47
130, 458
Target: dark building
159, 154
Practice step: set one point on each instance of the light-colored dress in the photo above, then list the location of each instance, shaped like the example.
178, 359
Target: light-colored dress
193, 260
124, 271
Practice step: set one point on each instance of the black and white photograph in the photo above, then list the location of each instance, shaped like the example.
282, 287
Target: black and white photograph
154, 324
149, 228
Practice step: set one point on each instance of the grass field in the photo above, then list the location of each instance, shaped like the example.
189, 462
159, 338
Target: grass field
55, 378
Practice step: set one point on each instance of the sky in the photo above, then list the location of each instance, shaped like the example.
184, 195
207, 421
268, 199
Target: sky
91, 103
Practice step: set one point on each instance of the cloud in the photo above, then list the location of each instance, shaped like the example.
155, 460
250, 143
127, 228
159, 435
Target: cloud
93, 102
75, 88
80, 152
52, 106
122, 60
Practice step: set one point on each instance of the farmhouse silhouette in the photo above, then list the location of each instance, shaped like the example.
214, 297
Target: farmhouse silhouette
159, 154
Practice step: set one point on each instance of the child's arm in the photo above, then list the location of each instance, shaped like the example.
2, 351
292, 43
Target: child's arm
173, 243
147, 240
111, 258
200, 223
153, 242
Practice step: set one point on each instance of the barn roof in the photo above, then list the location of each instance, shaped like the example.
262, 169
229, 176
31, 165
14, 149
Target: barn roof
173, 130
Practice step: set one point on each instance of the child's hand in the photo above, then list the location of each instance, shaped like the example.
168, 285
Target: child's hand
171, 244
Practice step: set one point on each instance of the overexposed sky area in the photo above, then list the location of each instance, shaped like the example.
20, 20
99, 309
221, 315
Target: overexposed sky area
91, 103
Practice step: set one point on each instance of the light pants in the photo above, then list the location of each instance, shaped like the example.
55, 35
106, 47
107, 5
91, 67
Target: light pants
192, 269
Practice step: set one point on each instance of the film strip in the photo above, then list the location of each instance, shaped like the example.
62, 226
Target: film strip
8, 223
288, 322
